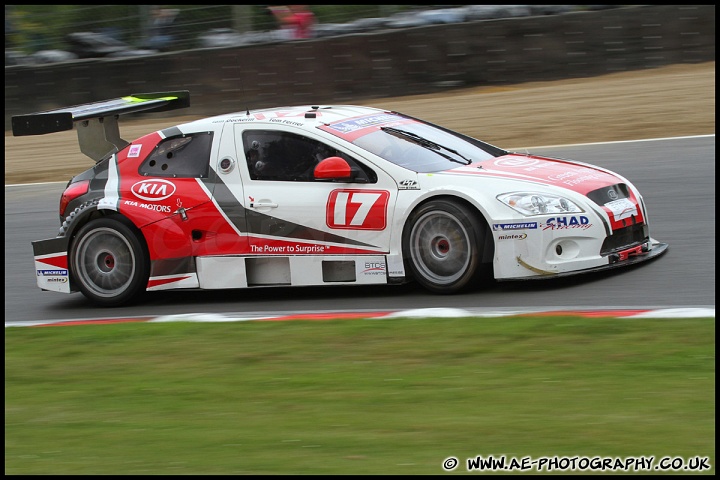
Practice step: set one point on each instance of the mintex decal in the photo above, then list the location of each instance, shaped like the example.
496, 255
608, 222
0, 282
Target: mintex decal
515, 226
57, 279
513, 236
351, 209
153, 190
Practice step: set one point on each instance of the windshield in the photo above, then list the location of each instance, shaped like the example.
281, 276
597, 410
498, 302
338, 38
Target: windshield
422, 148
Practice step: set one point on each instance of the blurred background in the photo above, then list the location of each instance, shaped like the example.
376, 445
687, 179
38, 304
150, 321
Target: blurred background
49, 33
233, 57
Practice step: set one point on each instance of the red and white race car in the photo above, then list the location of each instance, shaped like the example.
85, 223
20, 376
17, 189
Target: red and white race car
320, 195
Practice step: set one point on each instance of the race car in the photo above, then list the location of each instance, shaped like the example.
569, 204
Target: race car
320, 195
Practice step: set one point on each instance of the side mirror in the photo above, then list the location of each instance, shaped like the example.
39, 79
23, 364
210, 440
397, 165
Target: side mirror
333, 168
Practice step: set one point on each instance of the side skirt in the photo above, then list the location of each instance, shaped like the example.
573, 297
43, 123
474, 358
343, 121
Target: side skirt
259, 271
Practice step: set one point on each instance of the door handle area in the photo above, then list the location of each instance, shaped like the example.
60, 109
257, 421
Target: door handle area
263, 205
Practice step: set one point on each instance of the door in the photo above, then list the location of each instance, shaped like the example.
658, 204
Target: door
289, 212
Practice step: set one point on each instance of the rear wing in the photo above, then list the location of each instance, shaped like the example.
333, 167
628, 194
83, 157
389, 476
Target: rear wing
96, 123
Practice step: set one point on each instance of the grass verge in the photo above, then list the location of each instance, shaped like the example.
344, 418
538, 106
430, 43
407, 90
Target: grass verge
355, 397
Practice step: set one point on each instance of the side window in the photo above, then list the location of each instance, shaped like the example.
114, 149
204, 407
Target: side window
183, 156
284, 156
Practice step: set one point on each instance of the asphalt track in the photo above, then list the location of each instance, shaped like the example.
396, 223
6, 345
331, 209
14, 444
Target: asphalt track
676, 177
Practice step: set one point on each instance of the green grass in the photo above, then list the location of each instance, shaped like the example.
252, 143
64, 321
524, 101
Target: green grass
392, 396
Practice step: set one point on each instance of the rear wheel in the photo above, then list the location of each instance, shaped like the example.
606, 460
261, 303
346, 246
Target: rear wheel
443, 244
108, 262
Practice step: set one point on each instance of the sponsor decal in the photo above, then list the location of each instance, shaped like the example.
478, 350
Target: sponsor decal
374, 268
239, 120
561, 176
584, 178
153, 190
363, 122
565, 223
351, 209
515, 226
51, 273
287, 122
408, 185
621, 208
513, 236
148, 206
517, 162
134, 151
56, 280
293, 249
612, 194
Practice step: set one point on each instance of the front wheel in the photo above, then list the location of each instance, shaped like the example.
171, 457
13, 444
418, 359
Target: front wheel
443, 244
109, 263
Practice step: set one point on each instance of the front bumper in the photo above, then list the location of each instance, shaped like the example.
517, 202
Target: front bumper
624, 258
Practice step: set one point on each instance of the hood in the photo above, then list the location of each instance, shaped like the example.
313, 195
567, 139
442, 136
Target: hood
604, 188
560, 173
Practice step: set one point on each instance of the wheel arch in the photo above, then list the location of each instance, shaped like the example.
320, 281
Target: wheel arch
85, 213
488, 247
88, 212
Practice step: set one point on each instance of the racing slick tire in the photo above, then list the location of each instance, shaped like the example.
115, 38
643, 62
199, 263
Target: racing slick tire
109, 262
443, 243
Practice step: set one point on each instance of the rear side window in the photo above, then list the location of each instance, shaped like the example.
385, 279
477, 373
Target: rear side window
184, 156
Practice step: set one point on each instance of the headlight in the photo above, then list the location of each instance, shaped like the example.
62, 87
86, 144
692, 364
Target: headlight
529, 203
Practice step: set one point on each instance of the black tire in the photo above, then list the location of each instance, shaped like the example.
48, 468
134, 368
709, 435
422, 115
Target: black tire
443, 242
109, 263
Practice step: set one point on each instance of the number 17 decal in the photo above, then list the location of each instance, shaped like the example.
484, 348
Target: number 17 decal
357, 209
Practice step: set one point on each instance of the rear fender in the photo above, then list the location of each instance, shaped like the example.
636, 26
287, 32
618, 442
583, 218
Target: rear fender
79, 217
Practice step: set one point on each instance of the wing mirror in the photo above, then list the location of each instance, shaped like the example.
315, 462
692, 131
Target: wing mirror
333, 168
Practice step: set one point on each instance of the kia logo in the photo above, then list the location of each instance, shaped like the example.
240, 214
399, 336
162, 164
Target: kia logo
153, 190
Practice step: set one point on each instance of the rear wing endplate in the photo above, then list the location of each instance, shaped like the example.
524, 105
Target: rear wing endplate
96, 123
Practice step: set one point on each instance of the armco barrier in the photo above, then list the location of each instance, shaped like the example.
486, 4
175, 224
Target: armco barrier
384, 63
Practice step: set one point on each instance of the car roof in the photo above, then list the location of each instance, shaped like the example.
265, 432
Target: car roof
308, 116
